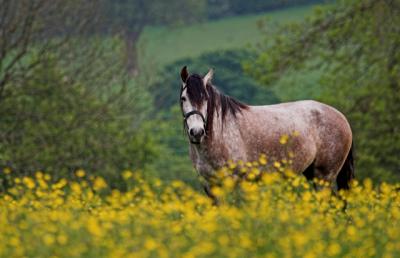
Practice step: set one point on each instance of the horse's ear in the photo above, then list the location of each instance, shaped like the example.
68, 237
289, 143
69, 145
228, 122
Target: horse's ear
184, 74
208, 77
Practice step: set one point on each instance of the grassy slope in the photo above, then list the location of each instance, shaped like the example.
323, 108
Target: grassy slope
161, 45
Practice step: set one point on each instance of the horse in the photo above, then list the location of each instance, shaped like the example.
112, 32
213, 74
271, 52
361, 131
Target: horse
222, 129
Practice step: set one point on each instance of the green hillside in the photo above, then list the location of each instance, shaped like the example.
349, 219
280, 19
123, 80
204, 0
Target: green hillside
161, 45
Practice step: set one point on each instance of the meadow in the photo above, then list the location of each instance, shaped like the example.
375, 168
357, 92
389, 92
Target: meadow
62, 139
160, 45
274, 214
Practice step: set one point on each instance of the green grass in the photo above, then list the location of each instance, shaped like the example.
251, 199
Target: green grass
161, 45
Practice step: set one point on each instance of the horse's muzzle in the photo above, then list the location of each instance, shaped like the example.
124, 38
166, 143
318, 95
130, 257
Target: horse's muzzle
196, 135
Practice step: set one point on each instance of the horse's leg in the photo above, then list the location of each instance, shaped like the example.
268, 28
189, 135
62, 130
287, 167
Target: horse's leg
325, 174
316, 171
328, 167
309, 173
329, 175
207, 190
313, 171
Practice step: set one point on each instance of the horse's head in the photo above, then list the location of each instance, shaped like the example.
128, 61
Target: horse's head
193, 101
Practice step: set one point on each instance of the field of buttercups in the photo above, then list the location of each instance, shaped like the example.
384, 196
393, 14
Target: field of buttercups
275, 214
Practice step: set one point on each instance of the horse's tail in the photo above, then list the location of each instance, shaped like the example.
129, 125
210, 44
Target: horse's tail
346, 173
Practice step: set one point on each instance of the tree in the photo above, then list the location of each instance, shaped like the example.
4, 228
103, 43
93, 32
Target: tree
30, 30
66, 100
54, 126
356, 45
130, 17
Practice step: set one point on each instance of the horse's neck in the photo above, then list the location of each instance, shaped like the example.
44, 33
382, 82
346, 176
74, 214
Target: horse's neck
224, 130
225, 137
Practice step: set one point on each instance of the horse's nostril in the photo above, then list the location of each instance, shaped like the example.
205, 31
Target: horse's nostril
196, 132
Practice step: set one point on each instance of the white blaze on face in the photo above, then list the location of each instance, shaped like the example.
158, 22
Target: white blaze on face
194, 121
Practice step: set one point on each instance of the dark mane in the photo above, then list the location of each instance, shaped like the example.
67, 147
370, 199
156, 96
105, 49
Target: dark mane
195, 90
215, 100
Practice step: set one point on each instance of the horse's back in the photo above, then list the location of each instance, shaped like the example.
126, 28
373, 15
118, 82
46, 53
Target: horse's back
324, 135
308, 113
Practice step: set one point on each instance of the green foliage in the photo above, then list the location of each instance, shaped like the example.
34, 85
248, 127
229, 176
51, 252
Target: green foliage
354, 45
229, 78
129, 14
173, 148
222, 8
53, 124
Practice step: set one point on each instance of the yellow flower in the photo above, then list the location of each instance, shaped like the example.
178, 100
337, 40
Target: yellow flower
228, 183
62, 239
309, 255
150, 244
177, 184
42, 184
48, 239
368, 184
307, 196
269, 178
300, 239
126, 174
60, 184
351, 231
76, 188
7, 170
333, 249
296, 182
28, 182
244, 241
232, 165
174, 218
251, 176
289, 173
223, 240
277, 164
284, 216
39, 175
99, 183
80, 173
284, 139
94, 227
263, 160
47, 177
217, 191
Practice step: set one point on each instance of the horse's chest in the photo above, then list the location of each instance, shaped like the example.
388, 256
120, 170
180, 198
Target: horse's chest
207, 160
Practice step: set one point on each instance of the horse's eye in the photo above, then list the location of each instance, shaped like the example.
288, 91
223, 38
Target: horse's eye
183, 99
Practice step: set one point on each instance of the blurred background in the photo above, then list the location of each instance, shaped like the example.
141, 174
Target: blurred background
94, 85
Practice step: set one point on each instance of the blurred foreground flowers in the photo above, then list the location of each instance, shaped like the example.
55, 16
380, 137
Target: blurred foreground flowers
261, 214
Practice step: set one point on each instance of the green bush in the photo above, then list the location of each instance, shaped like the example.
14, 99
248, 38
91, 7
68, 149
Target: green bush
53, 124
